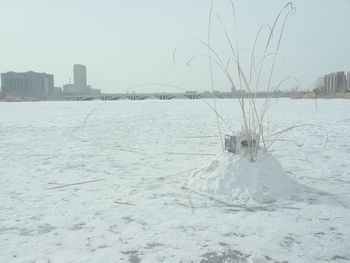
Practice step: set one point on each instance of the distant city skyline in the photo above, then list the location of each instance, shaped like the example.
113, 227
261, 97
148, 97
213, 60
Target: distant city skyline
30, 84
128, 43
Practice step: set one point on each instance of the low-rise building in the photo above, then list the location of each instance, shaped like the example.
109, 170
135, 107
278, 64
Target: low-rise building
27, 84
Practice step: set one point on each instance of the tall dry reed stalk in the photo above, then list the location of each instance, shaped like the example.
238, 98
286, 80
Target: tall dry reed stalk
255, 126
255, 118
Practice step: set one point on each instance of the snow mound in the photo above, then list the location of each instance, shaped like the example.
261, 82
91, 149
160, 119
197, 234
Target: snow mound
234, 177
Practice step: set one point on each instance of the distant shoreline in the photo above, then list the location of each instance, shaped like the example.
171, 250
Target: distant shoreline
173, 96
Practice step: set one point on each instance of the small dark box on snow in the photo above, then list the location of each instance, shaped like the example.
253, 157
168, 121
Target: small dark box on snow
231, 143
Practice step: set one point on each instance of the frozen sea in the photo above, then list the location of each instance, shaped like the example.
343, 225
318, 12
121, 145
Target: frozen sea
137, 156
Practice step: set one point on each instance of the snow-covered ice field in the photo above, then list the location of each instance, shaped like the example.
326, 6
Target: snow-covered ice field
142, 154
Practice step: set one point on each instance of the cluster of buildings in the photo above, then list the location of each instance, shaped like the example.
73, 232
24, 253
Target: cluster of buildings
41, 85
79, 86
336, 82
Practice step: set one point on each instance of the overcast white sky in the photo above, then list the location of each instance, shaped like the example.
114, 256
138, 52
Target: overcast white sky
130, 42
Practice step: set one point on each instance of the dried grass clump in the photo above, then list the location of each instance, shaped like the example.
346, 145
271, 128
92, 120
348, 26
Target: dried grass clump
255, 118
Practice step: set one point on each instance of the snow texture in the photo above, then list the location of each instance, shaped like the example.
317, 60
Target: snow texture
135, 160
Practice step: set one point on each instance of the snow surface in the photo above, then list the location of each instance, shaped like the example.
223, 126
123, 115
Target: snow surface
143, 209
234, 177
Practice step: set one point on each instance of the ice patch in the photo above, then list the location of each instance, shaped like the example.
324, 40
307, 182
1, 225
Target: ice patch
234, 177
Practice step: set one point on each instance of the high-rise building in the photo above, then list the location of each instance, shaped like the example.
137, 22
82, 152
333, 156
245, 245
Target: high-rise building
27, 84
340, 81
79, 86
79, 77
348, 82
334, 82
327, 83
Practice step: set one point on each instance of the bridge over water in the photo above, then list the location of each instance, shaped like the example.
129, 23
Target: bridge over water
192, 95
137, 96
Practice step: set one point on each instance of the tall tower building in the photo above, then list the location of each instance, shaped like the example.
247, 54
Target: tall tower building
348, 82
340, 81
335, 82
79, 77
